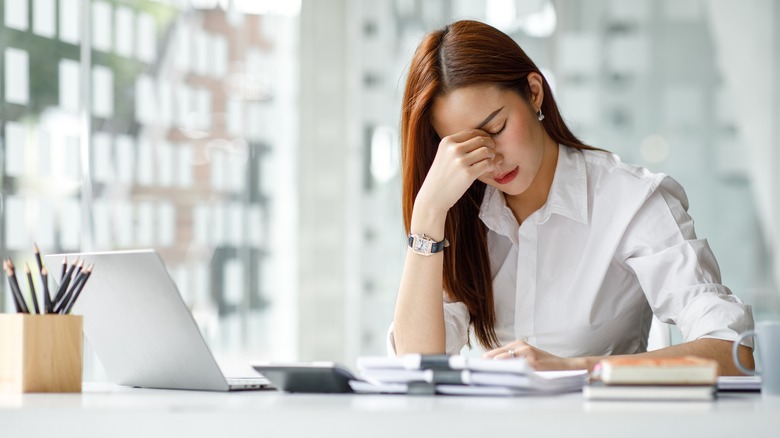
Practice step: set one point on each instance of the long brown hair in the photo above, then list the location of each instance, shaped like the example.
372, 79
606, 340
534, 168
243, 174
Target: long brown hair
462, 54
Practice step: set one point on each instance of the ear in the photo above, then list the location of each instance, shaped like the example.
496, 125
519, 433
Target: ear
535, 82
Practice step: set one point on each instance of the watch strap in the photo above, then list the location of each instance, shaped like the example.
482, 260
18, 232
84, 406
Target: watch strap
433, 246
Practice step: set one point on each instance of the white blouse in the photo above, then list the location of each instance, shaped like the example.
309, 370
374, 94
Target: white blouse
584, 274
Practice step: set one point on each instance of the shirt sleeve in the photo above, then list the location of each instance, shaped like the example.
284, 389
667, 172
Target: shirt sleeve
456, 326
678, 272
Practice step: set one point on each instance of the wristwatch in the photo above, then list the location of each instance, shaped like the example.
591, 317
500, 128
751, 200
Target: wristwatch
424, 245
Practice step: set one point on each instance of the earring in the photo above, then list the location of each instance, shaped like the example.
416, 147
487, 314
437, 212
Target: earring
539, 115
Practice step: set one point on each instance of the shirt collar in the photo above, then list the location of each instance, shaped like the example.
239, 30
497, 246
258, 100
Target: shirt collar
568, 196
496, 215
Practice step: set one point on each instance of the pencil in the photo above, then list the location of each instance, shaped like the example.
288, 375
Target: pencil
15, 286
72, 288
64, 268
64, 283
17, 301
79, 268
78, 292
38, 257
33, 295
46, 297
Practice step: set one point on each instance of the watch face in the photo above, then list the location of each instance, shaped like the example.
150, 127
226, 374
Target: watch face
421, 245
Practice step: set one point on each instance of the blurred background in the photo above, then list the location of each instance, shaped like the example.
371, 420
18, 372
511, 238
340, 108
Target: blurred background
254, 143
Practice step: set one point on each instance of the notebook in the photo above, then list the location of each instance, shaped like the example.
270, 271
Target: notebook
602, 391
141, 329
688, 370
687, 378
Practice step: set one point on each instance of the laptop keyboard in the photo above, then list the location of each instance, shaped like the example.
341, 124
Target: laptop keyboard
249, 382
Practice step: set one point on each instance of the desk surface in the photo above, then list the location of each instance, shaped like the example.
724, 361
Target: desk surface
108, 410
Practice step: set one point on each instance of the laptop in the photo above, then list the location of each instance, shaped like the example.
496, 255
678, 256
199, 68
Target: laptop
141, 329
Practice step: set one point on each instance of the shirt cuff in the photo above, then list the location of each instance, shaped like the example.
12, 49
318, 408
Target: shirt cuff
717, 316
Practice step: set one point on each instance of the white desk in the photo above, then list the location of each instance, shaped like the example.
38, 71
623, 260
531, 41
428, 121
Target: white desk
110, 411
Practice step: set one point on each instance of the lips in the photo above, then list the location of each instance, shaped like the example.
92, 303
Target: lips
507, 177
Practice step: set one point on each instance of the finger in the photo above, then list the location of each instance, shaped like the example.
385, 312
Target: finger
521, 351
466, 145
494, 352
482, 167
497, 352
480, 154
508, 355
460, 137
473, 144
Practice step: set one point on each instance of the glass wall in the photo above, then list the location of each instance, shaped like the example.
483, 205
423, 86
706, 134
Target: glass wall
158, 124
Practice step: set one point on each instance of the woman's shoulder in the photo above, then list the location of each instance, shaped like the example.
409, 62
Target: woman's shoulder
606, 167
612, 181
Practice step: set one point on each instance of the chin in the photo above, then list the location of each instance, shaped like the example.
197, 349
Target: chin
513, 189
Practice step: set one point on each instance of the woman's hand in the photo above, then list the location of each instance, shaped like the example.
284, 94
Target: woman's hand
461, 159
538, 359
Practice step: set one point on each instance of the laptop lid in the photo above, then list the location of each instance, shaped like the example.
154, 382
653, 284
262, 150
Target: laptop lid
139, 326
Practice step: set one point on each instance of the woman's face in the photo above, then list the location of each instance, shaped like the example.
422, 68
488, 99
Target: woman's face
511, 122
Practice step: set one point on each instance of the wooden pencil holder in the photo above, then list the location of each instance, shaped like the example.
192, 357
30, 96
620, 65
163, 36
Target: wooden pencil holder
40, 353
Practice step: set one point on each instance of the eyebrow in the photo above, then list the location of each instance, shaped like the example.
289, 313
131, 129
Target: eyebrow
489, 118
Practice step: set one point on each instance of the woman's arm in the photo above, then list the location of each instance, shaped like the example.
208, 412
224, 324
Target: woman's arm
418, 323
707, 348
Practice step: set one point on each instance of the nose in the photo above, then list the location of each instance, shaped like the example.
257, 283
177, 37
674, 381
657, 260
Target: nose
498, 159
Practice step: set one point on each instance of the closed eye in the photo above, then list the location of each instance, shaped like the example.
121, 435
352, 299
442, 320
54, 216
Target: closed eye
493, 134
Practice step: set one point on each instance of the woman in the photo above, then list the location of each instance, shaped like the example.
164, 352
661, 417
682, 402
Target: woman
545, 248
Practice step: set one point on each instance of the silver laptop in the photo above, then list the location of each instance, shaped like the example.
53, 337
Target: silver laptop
141, 329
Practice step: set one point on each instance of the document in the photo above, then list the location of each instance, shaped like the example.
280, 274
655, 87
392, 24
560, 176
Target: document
462, 376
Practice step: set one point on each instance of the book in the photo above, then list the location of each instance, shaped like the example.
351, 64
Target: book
602, 391
689, 370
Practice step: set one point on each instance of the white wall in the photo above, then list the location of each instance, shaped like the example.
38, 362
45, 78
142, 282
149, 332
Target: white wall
322, 179
747, 37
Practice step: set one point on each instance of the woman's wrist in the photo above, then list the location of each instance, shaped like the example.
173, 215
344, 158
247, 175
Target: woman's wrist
584, 363
428, 221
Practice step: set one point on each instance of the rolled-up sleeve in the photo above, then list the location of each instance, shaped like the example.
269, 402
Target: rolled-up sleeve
678, 273
456, 326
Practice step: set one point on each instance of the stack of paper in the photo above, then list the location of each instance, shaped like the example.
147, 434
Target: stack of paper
462, 376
